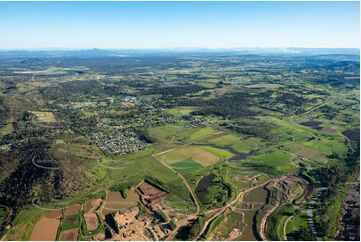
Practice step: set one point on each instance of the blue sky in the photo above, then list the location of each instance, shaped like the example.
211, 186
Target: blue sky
178, 24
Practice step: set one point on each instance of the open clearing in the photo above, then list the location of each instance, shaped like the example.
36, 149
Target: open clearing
180, 111
115, 201
307, 152
199, 155
47, 117
276, 162
235, 142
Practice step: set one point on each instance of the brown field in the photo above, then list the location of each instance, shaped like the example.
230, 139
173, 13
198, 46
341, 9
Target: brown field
91, 221
115, 201
92, 205
47, 117
72, 209
47, 227
199, 155
69, 235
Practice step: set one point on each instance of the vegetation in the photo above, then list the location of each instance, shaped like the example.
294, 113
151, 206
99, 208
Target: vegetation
212, 124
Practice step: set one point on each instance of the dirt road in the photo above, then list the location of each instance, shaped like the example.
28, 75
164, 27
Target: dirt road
285, 227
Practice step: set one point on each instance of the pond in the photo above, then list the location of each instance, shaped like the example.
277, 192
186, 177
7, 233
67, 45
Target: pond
314, 124
353, 135
253, 201
202, 186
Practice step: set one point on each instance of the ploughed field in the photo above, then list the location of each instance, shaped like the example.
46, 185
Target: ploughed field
195, 146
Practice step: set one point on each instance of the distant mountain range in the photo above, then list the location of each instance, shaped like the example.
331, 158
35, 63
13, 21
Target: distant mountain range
140, 52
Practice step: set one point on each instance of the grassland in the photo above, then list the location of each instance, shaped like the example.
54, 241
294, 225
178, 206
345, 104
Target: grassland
200, 155
274, 163
24, 223
239, 144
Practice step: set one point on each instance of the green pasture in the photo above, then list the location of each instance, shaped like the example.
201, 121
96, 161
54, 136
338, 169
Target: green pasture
275, 163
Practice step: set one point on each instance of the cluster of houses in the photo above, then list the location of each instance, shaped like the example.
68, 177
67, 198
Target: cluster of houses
193, 122
118, 142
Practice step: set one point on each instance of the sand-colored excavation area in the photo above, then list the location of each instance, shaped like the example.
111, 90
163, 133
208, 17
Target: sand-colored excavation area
47, 227
91, 221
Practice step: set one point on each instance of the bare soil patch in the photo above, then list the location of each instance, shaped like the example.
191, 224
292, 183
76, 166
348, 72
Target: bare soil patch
133, 227
93, 205
235, 233
53, 214
91, 221
72, 209
115, 201
69, 235
332, 129
151, 196
47, 227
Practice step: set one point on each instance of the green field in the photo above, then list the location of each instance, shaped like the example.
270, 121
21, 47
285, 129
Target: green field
274, 163
187, 167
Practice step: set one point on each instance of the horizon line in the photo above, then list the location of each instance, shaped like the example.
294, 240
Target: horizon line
166, 48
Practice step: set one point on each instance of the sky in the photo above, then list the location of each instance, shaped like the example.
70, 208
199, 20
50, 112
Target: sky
124, 25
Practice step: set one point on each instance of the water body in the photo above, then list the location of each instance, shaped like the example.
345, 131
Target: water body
202, 186
314, 124
353, 135
252, 202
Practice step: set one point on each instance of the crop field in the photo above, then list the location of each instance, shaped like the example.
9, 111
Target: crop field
187, 166
204, 156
